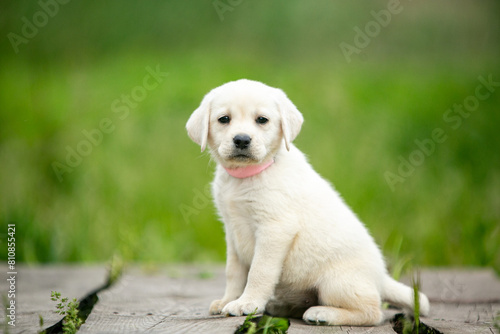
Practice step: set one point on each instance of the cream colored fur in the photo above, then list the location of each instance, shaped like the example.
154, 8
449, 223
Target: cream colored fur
293, 245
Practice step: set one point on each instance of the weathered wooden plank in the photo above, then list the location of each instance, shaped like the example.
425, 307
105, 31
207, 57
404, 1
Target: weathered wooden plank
472, 285
299, 327
33, 288
474, 314
175, 299
172, 300
162, 303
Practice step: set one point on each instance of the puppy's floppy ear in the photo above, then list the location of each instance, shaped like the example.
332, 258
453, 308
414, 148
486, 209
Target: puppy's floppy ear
197, 124
291, 118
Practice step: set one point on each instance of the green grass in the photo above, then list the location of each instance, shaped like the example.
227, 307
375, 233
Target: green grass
69, 310
404, 323
264, 324
126, 195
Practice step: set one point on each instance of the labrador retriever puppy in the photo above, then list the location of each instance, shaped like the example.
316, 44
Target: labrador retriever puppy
294, 248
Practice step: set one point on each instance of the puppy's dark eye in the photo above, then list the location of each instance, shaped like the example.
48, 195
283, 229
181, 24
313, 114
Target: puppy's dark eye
261, 120
224, 119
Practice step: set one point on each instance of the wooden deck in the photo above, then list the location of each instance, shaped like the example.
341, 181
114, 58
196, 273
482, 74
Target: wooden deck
175, 299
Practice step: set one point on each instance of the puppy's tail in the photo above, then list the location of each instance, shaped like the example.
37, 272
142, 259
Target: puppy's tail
401, 295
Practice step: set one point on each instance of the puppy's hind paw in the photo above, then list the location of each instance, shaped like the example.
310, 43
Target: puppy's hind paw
319, 315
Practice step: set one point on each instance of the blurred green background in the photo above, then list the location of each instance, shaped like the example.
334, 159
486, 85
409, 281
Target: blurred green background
70, 71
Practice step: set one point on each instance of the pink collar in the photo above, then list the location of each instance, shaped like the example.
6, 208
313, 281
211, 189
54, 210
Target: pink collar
244, 172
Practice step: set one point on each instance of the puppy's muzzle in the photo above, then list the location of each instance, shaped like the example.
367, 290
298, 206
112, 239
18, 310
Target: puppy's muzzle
242, 141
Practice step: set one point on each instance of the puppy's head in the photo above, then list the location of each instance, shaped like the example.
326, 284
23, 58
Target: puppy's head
244, 122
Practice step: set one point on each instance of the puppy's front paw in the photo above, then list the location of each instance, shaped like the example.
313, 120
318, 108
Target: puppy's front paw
243, 307
216, 307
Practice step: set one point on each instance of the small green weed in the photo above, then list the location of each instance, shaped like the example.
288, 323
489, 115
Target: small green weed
68, 309
115, 269
401, 263
265, 324
412, 324
76, 312
496, 321
416, 301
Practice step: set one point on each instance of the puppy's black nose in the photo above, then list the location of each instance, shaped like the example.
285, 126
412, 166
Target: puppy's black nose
242, 141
